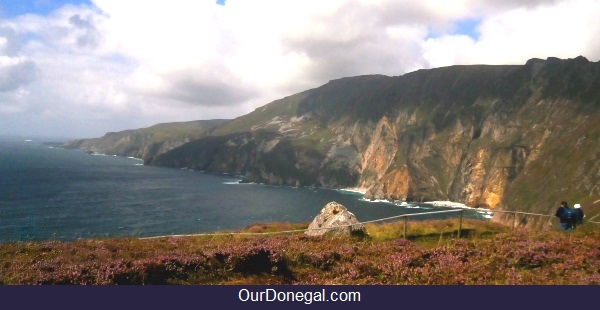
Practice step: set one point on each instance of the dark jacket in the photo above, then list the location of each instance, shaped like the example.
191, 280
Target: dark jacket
578, 216
561, 214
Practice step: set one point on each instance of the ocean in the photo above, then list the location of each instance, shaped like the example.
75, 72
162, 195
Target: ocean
50, 193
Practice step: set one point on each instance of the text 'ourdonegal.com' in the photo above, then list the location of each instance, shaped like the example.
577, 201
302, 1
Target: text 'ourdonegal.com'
308, 297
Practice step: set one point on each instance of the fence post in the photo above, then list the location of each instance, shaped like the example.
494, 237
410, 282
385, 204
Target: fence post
460, 222
514, 222
405, 223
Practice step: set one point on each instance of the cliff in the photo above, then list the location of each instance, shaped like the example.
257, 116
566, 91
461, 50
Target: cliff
518, 137
146, 142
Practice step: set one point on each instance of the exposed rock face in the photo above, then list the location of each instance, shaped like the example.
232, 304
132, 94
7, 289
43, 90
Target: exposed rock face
335, 220
518, 137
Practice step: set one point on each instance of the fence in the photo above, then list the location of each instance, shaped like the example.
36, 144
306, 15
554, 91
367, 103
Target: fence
404, 217
460, 220
515, 213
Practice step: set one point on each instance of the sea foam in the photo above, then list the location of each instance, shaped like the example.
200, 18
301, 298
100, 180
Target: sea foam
352, 190
233, 182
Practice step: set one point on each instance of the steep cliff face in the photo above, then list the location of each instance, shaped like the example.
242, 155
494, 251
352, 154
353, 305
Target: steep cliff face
499, 141
146, 142
513, 137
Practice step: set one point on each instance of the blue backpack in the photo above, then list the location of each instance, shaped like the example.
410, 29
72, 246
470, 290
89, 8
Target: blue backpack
569, 215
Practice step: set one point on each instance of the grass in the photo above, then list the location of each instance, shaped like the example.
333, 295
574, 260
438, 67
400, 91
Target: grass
486, 254
284, 108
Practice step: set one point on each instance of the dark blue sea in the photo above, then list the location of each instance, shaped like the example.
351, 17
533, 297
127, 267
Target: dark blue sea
50, 193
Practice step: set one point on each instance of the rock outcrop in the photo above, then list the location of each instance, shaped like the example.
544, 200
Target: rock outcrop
335, 220
145, 143
510, 137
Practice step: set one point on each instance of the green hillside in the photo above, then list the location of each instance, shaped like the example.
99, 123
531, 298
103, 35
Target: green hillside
518, 137
146, 142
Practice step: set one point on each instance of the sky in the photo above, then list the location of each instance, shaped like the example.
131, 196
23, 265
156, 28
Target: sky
81, 68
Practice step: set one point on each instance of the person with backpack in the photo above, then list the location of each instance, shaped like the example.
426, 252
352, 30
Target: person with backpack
566, 216
578, 214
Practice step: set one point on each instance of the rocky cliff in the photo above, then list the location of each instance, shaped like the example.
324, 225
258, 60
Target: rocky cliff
519, 137
146, 142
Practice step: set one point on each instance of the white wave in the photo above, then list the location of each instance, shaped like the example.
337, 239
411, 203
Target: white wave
232, 182
352, 190
28, 140
376, 200
407, 205
486, 213
138, 164
131, 157
449, 204
413, 207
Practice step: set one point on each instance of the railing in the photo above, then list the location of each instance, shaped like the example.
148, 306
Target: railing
515, 213
404, 217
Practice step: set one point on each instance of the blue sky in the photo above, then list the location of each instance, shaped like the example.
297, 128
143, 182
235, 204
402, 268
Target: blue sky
82, 68
13, 8
468, 27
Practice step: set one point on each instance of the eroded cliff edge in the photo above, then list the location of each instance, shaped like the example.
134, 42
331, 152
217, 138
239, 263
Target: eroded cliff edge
518, 137
146, 142
515, 136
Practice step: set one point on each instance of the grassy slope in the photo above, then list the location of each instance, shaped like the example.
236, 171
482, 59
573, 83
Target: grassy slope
518, 103
134, 141
170, 130
284, 108
431, 255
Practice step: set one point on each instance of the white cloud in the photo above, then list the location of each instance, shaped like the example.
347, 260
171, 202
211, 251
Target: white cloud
15, 72
127, 64
448, 50
564, 29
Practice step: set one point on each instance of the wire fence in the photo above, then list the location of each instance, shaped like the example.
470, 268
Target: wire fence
404, 218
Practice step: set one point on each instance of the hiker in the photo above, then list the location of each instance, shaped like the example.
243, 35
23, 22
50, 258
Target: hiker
565, 214
578, 214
